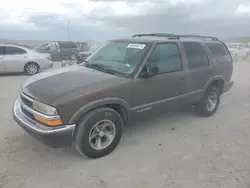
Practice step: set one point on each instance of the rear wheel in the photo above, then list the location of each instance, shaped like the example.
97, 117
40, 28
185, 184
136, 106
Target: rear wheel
209, 103
31, 68
98, 132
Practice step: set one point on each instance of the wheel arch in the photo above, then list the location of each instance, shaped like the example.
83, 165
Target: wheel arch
217, 81
119, 105
30, 62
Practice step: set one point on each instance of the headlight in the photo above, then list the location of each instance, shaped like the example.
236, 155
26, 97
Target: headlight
44, 108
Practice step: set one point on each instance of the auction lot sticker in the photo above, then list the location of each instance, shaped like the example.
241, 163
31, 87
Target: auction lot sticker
138, 46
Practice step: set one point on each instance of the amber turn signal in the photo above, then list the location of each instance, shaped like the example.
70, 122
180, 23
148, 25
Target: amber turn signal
52, 123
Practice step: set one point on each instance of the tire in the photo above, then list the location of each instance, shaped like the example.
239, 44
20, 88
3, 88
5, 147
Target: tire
87, 137
31, 68
206, 109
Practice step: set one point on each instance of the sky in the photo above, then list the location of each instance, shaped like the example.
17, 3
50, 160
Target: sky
107, 19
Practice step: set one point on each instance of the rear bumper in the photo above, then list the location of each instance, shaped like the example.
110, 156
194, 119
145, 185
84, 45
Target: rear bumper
228, 86
50, 136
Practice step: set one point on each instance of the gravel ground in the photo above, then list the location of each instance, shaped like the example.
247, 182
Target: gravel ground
172, 150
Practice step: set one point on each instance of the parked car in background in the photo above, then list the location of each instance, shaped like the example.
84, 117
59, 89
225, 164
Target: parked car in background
19, 59
82, 56
130, 77
26, 46
238, 50
60, 50
84, 46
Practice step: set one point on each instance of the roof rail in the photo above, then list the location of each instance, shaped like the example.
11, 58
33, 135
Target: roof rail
154, 35
173, 36
197, 36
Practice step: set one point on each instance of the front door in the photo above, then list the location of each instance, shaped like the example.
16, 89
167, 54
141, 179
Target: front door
163, 89
1, 60
15, 59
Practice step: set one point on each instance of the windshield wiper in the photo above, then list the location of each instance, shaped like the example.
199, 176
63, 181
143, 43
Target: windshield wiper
102, 67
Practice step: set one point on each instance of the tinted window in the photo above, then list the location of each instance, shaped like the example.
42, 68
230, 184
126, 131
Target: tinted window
67, 45
1, 50
196, 55
9, 50
167, 57
220, 52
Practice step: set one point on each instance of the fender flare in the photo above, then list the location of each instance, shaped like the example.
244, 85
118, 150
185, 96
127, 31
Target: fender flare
98, 103
215, 78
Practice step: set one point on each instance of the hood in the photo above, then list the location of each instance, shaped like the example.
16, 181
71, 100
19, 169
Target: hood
48, 86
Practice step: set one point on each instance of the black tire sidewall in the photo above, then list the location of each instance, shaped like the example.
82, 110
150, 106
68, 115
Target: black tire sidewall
81, 135
201, 108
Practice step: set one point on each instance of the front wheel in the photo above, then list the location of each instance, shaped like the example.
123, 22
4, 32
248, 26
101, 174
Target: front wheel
31, 68
209, 103
98, 133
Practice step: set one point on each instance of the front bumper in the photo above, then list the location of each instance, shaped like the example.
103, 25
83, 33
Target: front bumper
228, 86
51, 136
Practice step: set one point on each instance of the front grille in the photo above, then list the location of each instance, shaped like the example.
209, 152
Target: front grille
27, 113
26, 101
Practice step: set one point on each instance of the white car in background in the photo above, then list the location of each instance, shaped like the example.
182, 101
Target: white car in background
20, 59
238, 50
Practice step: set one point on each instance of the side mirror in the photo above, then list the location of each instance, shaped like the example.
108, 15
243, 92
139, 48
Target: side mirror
148, 71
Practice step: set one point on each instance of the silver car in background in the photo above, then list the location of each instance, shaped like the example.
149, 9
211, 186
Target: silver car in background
20, 59
238, 50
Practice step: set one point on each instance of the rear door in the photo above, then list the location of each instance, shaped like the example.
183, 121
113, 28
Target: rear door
14, 59
1, 59
200, 70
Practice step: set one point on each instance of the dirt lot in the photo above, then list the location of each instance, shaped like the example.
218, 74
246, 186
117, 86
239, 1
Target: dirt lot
173, 150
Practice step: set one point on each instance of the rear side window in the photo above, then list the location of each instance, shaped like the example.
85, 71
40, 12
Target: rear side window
196, 55
1, 50
9, 50
220, 52
67, 45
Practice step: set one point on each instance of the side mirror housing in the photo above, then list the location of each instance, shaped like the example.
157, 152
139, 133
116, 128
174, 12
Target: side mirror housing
148, 71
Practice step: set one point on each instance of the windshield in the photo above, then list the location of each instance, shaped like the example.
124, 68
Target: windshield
41, 47
122, 57
232, 45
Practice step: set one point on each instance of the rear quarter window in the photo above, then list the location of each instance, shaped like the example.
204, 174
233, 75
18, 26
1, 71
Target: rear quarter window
220, 52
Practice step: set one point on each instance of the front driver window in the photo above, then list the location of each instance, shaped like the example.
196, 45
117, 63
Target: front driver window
166, 57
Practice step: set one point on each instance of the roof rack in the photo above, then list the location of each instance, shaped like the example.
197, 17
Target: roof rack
173, 36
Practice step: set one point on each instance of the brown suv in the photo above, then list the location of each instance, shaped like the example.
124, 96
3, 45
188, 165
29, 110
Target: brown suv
88, 104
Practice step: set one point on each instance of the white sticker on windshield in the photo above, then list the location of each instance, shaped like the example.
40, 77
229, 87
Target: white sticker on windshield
127, 65
138, 46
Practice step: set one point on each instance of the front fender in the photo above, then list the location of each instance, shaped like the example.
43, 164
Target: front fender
98, 103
